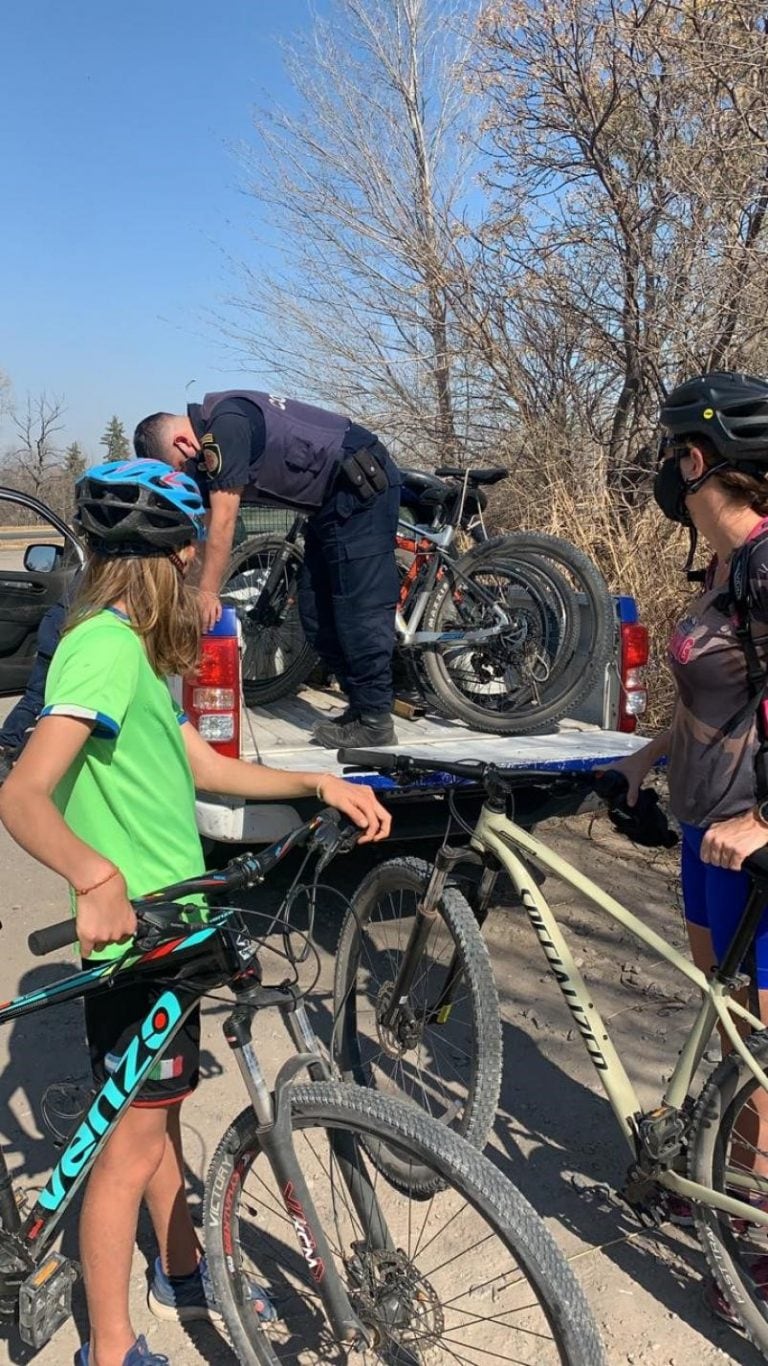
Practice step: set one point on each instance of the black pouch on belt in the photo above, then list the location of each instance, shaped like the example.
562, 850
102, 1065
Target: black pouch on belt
364, 472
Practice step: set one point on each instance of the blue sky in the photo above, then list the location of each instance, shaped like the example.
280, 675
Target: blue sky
122, 195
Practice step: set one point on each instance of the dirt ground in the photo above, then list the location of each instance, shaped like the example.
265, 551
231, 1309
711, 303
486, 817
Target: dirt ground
554, 1135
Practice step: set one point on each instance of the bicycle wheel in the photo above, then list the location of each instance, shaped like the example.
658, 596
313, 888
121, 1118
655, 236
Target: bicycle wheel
594, 639
442, 1052
470, 1276
513, 682
725, 1154
276, 657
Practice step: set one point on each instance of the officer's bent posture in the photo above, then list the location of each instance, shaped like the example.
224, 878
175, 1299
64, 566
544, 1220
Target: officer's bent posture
256, 446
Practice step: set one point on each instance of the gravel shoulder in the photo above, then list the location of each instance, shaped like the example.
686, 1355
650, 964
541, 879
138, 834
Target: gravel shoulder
554, 1135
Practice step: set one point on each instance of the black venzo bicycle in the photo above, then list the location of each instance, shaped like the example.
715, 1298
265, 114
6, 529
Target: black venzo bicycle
507, 634
353, 1264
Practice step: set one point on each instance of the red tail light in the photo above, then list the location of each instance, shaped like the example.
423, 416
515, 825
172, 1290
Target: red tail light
211, 698
634, 657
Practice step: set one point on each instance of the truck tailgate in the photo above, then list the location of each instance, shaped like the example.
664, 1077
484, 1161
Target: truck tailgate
279, 736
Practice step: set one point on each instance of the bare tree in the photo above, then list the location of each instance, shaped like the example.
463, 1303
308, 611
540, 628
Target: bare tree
625, 242
363, 184
35, 452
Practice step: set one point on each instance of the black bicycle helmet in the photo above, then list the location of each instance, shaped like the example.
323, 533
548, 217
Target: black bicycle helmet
138, 507
730, 409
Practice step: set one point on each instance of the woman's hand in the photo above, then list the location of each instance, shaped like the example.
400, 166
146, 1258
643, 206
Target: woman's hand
635, 769
359, 803
105, 916
727, 843
638, 765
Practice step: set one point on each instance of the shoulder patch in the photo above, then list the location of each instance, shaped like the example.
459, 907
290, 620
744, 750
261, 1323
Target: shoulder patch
210, 456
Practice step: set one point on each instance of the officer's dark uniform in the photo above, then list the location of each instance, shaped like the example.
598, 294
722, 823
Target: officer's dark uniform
289, 453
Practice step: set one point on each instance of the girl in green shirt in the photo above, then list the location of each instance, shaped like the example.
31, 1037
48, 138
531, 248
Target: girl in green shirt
104, 794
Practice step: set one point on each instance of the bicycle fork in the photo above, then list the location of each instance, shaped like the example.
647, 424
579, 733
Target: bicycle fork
273, 1113
263, 604
427, 913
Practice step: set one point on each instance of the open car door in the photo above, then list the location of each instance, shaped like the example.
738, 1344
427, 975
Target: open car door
37, 562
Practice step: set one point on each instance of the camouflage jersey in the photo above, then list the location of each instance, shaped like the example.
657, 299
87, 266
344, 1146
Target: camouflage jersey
711, 759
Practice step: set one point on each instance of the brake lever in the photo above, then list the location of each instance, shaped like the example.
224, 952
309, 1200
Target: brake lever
155, 924
344, 843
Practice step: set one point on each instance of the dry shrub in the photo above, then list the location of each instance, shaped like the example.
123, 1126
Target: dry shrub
635, 549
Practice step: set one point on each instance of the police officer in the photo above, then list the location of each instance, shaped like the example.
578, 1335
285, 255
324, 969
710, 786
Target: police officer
258, 446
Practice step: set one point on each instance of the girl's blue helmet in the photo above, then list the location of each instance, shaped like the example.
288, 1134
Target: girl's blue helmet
138, 507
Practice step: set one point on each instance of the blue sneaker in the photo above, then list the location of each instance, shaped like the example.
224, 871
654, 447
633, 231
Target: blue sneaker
185, 1299
139, 1355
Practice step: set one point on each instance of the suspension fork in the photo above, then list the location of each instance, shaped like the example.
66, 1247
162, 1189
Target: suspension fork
275, 574
273, 1114
481, 905
427, 912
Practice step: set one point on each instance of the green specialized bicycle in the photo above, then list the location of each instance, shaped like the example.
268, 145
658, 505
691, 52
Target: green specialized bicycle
704, 1147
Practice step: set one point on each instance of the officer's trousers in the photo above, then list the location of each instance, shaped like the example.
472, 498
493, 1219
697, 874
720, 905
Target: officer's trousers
349, 588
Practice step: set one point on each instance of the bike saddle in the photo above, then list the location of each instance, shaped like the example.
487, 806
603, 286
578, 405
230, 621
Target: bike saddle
425, 488
488, 476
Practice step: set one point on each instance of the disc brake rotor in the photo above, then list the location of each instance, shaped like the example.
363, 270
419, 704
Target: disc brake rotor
394, 1300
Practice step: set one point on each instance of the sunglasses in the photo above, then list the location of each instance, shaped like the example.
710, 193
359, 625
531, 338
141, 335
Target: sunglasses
671, 446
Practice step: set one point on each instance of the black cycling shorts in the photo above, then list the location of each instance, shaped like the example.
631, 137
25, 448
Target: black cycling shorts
113, 1017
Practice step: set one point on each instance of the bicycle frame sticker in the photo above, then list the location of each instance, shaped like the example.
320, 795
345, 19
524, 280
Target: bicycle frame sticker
563, 979
303, 1233
114, 1096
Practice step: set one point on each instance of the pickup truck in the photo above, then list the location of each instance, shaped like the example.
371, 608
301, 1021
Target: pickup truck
37, 560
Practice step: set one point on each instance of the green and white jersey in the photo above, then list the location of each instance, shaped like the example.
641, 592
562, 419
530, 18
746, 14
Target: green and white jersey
130, 792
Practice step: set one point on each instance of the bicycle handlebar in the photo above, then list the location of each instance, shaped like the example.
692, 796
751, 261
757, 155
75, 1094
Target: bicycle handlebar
644, 823
329, 832
409, 765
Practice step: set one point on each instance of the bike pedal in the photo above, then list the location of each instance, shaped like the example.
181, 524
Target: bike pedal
45, 1299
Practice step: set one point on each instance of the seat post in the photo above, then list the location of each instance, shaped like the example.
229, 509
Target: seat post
745, 931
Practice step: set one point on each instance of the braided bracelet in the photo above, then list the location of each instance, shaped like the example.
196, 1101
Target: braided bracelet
85, 891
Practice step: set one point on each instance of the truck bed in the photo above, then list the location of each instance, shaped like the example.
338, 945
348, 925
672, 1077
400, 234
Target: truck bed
279, 736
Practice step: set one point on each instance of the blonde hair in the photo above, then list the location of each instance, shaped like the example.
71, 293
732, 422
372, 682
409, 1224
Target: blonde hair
162, 608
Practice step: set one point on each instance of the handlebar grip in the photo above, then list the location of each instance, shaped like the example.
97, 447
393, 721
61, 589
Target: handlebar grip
379, 759
611, 787
53, 937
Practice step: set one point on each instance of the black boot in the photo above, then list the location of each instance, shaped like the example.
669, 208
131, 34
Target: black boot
341, 718
368, 730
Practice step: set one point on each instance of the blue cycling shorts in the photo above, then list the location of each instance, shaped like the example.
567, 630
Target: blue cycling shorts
715, 898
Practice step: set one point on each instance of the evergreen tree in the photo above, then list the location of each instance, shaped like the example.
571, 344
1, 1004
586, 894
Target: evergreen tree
116, 441
74, 461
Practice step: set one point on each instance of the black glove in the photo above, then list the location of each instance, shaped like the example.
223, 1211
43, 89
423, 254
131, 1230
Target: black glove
644, 823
